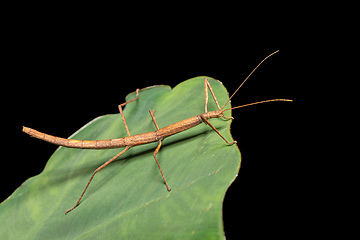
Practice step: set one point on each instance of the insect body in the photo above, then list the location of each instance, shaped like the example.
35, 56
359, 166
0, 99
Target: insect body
156, 136
130, 141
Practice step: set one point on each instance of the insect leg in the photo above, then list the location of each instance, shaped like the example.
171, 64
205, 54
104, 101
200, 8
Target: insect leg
153, 118
157, 162
157, 149
207, 84
121, 111
206, 94
208, 123
97, 170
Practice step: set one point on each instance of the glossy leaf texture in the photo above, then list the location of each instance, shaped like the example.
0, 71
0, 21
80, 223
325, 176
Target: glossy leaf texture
128, 198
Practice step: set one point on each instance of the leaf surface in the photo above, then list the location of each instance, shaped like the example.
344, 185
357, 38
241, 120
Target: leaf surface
128, 198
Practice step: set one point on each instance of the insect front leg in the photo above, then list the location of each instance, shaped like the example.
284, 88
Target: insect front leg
206, 86
208, 123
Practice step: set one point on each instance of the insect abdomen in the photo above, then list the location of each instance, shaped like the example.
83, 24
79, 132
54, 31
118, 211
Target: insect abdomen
72, 143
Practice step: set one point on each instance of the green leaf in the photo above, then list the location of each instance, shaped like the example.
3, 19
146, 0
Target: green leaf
128, 198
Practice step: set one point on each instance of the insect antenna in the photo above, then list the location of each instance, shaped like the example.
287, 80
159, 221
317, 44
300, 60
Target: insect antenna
254, 103
247, 79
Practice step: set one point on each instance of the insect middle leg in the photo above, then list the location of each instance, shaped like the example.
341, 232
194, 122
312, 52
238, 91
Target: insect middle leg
122, 114
157, 150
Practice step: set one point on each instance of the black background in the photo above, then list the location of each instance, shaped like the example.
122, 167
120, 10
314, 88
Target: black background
64, 74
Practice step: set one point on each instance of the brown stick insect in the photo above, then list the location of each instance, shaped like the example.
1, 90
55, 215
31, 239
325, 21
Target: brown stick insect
156, 136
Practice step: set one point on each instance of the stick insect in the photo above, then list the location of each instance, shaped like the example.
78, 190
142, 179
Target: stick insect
156, 136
